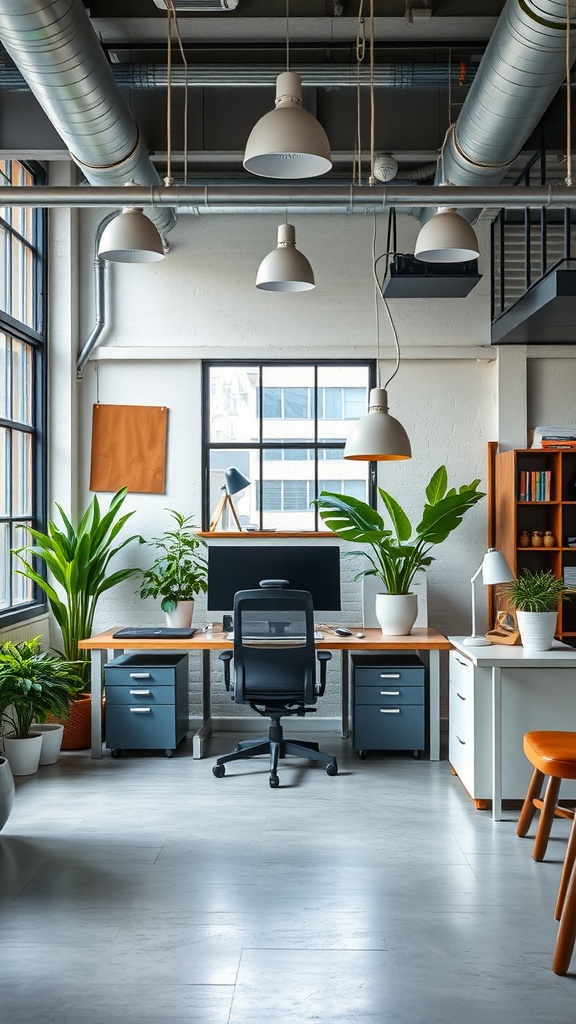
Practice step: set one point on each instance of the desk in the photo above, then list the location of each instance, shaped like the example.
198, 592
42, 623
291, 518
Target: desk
497, 658
419, 640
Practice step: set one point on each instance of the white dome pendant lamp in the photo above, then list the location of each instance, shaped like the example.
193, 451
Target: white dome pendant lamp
131, 237
288, 142
285, 269
447, 238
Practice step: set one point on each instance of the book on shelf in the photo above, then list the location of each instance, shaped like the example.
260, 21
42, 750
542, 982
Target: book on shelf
535, 485
554, 436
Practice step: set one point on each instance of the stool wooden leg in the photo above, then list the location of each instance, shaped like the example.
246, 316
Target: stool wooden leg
566, 871
528, 809
546, 819
567, 930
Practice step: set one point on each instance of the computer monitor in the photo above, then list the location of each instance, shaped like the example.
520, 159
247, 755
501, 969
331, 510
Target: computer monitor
315, 568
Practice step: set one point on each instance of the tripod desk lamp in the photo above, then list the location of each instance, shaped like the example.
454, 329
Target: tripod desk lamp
494, 569
234, 482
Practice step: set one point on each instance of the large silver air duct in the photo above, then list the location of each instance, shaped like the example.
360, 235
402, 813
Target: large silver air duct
53, 44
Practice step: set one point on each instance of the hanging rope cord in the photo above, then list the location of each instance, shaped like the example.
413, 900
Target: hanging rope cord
172, 20
568, 178
360, 55
378, 293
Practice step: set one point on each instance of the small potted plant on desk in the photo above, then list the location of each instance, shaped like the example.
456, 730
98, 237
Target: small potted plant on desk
33, 685
535, 597
398, 553
179, 573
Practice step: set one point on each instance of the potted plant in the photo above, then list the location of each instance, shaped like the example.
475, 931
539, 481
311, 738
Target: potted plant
33, 684
7, 790
178, 573
535, 597
399, 552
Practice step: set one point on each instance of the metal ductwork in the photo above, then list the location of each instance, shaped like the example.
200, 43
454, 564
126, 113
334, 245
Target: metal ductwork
521, 71
53, 44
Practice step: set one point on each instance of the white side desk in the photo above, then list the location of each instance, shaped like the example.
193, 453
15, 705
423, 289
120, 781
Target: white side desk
498, 658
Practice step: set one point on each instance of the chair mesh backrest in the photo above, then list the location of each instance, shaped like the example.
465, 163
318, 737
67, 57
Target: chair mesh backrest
274, 656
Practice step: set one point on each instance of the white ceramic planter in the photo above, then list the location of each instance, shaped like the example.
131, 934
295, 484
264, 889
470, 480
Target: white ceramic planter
6, 791
537, 629
24, 754
52, 734
396, 613
181, 617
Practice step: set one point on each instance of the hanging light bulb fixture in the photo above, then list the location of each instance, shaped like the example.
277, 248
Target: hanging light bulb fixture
378, 436
285, 269
131, 237
447, 237
288, 142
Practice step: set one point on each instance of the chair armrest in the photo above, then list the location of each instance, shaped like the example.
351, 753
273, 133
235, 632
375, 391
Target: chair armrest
226, 658
323, 657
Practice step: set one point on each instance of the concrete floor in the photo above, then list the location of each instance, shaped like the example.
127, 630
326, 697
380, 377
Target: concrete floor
145, 890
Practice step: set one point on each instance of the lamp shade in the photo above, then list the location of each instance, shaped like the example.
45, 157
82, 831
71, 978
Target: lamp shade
234, 480
285, 269
447, 238
495, 568
131, 238
378, 436
288, 142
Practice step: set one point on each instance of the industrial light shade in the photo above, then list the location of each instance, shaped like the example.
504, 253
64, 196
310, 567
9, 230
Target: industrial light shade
234, 480
288, 142
285, 269
131, 238
447, 238
378, 436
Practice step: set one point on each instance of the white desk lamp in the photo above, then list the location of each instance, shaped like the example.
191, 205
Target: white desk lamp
494, 569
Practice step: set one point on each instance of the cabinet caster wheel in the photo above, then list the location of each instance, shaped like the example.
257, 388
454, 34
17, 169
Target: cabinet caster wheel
219, 771
169, 752
116, 753
332, 769
274, 781
362, 755
415, 754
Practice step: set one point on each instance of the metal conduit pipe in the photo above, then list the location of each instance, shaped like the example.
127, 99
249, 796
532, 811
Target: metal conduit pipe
521, 71
53, 44
100, 268
315, 198
389, 75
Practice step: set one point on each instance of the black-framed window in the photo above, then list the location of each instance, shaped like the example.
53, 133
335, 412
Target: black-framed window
280, 422
22, 387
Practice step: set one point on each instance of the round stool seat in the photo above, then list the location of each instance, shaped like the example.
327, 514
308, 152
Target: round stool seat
552, 753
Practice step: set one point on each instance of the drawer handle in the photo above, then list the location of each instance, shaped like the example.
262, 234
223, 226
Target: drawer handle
140, 693
140, 675
389, 711
389, 675
460, 695
141, 711
389, 693
465, 664
461, 742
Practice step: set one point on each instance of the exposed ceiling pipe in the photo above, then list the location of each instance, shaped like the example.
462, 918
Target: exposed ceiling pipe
55, 47
317, 198
389, 75
521, 71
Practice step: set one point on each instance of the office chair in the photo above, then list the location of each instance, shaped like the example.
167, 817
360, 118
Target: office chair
275, 671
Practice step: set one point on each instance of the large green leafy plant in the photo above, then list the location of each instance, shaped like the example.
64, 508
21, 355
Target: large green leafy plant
397, 553
77, 559
180, 571
34, 684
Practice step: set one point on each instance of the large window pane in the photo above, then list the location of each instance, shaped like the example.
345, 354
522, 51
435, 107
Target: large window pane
22, 382
21, 473
5, 496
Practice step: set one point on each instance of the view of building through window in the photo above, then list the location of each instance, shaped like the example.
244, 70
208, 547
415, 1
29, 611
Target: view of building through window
284, 426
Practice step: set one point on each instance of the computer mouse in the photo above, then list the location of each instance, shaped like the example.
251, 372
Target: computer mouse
342, 631
360, 636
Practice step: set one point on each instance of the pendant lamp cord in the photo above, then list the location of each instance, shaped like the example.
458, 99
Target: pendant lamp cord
173, 18
378, 293
372, 179
360, 55
287, 35
568, 179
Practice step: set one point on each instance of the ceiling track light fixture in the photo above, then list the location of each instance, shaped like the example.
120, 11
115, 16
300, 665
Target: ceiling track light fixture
378, 436
288, 142
285, 269
447, 237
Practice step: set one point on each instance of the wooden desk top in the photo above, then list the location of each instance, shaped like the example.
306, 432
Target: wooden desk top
420, 639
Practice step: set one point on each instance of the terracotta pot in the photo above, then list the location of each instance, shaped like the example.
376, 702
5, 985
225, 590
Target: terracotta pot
77, 728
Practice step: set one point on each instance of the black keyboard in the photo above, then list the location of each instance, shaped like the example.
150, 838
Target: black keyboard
152, 633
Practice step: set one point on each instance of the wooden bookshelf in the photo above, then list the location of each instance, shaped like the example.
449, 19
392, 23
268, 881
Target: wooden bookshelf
557, 513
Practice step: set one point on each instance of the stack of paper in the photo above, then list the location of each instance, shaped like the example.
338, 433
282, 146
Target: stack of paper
555, 437
570, 575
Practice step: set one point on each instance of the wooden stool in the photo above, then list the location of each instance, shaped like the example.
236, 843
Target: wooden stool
565, 911
553, 755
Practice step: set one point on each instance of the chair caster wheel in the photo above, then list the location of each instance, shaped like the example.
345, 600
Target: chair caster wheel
219, 771
274, 781
332, 769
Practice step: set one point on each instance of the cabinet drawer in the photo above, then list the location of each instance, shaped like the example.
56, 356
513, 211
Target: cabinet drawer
462, 672
387, 728
139, 676
461, 703
387, 693
139, 693
388, 677
146, 727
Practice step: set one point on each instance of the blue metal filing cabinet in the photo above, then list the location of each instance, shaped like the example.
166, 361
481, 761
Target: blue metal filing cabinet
388, 712
146, 702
